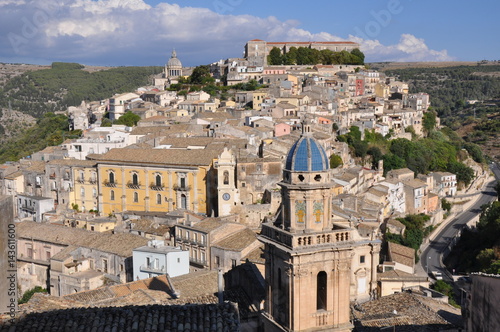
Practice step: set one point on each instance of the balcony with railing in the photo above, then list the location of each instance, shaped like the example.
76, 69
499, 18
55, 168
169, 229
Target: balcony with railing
80, 180
92, 181
106, 183
156, 187
28, 208
303, 240
182, 188
197, 261
152, 269
132, 185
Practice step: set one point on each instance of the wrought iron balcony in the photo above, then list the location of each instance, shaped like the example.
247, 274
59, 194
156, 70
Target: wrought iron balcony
106, 183
133, 185
156, 187
182, 188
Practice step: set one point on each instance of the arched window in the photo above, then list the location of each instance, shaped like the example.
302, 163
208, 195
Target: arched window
158, 199
111, 177
135, 180
136, 197
226, 177
321, 291
183, 201
112, 195
158, 180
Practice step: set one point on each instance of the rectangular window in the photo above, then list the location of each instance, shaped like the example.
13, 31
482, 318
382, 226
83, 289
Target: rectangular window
361, 259
233, 262
30, 252
217, 261
47, 255
105, 265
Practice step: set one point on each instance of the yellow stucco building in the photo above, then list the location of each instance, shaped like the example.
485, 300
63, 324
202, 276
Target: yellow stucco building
85, 194
157, 180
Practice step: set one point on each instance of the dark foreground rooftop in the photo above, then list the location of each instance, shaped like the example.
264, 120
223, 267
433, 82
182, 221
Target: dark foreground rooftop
151, 318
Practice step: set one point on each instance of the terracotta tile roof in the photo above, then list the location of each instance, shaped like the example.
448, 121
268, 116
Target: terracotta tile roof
256, 256
162, 156
13, 175
196, 284
237, 241
208, 225
207, 142
401, 254
150, 226
396, 223
36, 166
415, 183
121, 244
152, 318
405, 311
72, 162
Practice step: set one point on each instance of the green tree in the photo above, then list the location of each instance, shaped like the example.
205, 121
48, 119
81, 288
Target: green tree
201, 75
360, 55
429, 121
105, 122
128, 119
464, 173
290, 58
445, 205
335, 161
29, 293
275, 58
475, 152
376, 155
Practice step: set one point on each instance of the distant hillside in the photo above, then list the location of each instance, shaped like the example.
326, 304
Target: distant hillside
67, 84
466, 98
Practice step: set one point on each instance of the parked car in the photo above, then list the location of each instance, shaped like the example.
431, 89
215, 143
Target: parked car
437, 275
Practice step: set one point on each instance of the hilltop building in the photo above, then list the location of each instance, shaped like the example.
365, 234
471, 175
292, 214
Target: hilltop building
257, 50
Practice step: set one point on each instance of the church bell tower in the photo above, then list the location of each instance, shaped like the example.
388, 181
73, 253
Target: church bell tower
308, 258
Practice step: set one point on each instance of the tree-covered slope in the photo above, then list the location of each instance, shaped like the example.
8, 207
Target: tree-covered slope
67, 84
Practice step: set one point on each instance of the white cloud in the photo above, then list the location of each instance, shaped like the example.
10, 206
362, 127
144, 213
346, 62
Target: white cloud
12, 2
409, 48
132, 32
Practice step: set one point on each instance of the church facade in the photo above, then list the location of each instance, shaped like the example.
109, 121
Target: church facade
314, 268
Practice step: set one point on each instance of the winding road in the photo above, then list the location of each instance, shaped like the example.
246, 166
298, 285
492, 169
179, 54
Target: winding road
431, 257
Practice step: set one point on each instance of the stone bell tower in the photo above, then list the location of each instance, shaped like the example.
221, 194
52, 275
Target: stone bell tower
308, 258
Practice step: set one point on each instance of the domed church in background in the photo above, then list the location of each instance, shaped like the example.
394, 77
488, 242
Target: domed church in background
171, 73
314, 267
173, 68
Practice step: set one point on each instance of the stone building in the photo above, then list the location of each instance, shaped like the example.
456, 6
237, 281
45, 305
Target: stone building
314, 267
257, 50
67, 260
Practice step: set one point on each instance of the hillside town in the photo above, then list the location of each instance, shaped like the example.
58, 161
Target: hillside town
251, 204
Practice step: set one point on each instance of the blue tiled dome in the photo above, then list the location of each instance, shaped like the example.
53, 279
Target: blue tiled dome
306, 155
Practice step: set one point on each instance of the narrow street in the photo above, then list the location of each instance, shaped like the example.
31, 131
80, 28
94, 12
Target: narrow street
432, 254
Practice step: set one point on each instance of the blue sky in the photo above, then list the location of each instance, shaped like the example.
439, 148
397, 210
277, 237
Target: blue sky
144, 32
